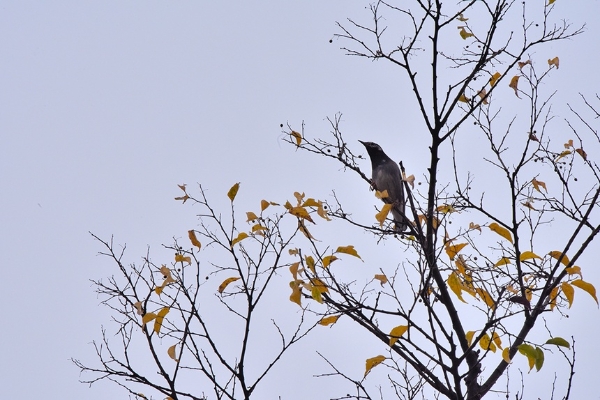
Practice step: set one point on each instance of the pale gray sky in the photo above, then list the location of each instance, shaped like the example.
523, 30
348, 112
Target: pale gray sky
106, 106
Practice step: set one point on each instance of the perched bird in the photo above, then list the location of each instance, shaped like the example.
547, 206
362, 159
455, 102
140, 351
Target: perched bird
386, 176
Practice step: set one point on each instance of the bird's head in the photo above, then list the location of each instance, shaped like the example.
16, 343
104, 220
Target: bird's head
375, 151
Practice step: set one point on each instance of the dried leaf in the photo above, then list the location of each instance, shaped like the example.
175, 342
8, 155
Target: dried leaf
226, 282
494, 78
239, 238
171, 352
297, 137
514, 83
233, 191
537, 184
463, 33
183, 259
553, 62
194, 239
159, 319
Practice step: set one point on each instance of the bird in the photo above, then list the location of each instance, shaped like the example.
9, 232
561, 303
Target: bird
386, 176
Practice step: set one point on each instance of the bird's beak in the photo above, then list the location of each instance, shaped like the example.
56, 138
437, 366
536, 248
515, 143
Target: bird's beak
363, 143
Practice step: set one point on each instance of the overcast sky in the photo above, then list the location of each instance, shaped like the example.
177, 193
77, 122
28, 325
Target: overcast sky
105, 106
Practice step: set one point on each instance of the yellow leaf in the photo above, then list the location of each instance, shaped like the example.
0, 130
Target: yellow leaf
463, 98
296, 136
461, 264
452, 250
381, 195
514, 82
563, 154
148, 317
382, 215
233, 191
502, 261
310, 262
332, 319
396, 333
501, 231
574, 271
250, 216
553, 61
194, 239
239, 238
171, 352
445, 209
301, 212
526, 255
319, 285
463, 33
226, 282
461, 18
296, 295
182, 258
293, 252
258, 228
456, 285
159, 289
588, 287
485, 296
316, 294
551, 2
486, 343
496, 339
294, 269
569, 292
347, 250
373, 362
159, 319
381, 278
553, 295
494, 78
328, 260
557, 255
537, 184
506, 354
469, 336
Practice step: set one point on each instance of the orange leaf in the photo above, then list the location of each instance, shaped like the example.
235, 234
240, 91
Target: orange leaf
194, 239
452, 250
381, 278
494, 78
239, 238
537, 184
296, 136
159, 319
226, 282
514, 82
553, 62
182, 258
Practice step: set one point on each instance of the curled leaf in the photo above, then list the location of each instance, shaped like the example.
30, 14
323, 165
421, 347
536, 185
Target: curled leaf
297, 137
553, 62
226, 282
239, 238
347, 250
171, 352
494, 78
381, 278
194, 239
382, 215
159, 319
